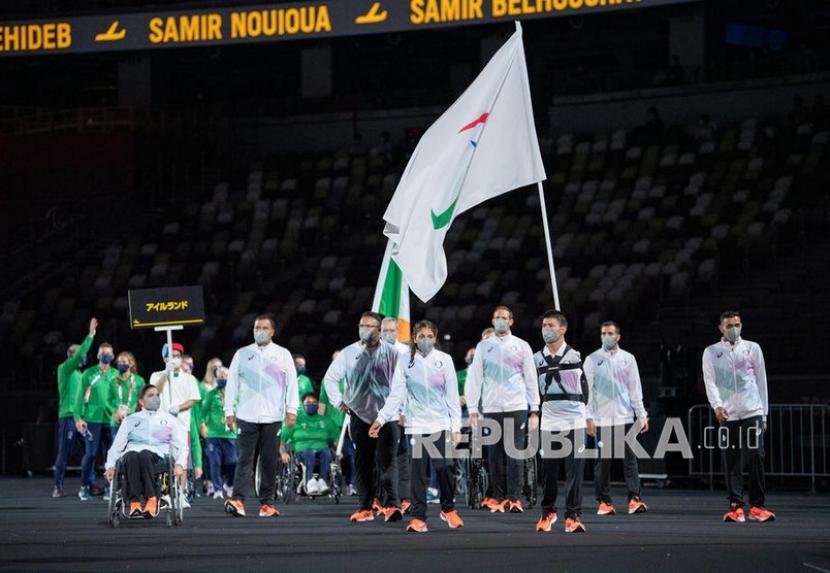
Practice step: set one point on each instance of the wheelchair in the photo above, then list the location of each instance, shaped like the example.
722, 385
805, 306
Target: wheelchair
285, 483
170, 494
335, 482
473, 479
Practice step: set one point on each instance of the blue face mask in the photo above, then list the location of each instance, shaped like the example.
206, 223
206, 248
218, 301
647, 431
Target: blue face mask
310, 409
301, 370
122, 367
220, 383
106, 358
83, 360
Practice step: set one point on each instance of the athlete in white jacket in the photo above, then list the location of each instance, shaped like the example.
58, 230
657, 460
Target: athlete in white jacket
142, 441
736, 385
616, 400
425, 381
261, 391
503, 376
366, 368
564, 418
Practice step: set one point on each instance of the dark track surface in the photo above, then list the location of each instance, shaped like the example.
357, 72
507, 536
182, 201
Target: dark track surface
681, 532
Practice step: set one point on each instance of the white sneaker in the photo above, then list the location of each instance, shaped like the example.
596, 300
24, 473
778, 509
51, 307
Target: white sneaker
352, 490
217, 494
228, 490
311, 487
185, 505
322, 486
209, 489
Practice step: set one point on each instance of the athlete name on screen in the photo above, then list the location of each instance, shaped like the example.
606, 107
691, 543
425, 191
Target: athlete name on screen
243, 24
35, 37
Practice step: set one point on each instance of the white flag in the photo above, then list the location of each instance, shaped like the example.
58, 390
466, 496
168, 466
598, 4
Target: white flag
484, 145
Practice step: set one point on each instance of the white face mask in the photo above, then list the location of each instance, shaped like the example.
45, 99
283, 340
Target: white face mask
389, 337
261, 336
732, 334
176, 362
500, 325
152, 403
608, 342
550, 335
365, 333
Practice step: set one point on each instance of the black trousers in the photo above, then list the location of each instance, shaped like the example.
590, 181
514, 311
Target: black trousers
385, 448
602, 466
506, 471
140, 468
444, 469
574, 470
742, 447
264, 437
404, 483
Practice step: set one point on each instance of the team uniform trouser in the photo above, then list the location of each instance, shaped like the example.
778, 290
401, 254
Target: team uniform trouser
100, 436
420, 473
366, 448
742, 446
574, 469
602, 466
65, 442
404, 481
222, 457
506, 471
266, 438
139, 468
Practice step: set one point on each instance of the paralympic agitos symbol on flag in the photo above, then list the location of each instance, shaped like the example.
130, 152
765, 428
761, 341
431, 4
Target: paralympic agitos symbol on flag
443, 219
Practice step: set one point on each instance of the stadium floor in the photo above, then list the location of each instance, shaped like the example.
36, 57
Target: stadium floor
681, 532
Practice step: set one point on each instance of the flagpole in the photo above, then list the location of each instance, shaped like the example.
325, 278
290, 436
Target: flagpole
549, 247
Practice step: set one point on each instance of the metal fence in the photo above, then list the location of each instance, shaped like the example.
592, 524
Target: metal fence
796, 443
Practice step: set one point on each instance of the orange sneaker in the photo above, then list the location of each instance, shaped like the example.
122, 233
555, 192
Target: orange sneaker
574, 525
417, 526
488, 502
516, 506
500, 507
546, 521
135, 509
151, 507
735, 514
377, 507
606, 509
268, 510
406, 505
392, 514
761, 514
452, 519
235, 507
636, 505
362, 515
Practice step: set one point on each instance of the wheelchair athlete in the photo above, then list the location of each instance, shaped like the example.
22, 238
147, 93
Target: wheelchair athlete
144, 439
311, 439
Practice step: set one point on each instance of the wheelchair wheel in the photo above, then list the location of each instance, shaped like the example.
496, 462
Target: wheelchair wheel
115, 501
531, 482
481, 482
176, 495
287, 478
336, 485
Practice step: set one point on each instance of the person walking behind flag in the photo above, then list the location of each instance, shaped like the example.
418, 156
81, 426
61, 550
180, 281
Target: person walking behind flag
504, 377
563, 411
426, 384
616, 401
367, 367
736, 384
260, 393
